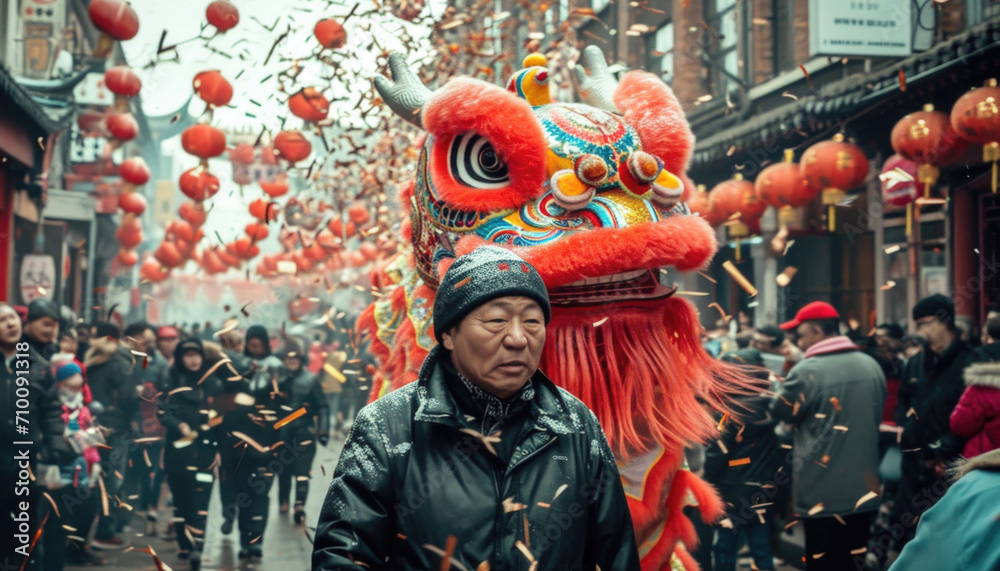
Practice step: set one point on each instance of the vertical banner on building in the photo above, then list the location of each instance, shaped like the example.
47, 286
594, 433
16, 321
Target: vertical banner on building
867, 28
163, 202
42, 22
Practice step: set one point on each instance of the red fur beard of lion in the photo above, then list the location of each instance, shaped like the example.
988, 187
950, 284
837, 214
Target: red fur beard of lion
641, 368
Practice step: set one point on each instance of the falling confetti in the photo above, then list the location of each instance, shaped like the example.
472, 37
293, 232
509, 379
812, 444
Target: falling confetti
739, 278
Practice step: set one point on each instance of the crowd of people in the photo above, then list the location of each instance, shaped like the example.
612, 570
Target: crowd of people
859, 438
116, 413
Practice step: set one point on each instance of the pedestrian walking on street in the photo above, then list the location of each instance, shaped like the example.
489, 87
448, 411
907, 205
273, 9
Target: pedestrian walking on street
41, 327
115, 404
833, 398
299, 389
976, 418
482, 456
186, 410
930, 388
745, 465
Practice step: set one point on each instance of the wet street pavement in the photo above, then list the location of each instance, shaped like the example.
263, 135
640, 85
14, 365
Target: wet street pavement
286, 547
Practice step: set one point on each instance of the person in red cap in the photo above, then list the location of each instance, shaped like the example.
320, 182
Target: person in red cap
167, 338
833, 398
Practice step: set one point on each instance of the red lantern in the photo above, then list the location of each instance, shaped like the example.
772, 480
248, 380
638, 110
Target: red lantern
783, 186
330, 33
243, 248
328, 240
976, 118
899, 185
276, 187
121, 80
169, 255
302, 263
132, 203
193, 213
927, 138
127, 258
737, 196
122, 126
309, 105
337, 226
129, 233
203, 141
211, 263
368, 250
242, 154
116, 20
181, 230
212, 88
358, 213
256, 231
198, 184
228, 258
698, 204
316, 252
134, 171
264, 211
92, 124
223, 15
292, 146
152, 271
835, 167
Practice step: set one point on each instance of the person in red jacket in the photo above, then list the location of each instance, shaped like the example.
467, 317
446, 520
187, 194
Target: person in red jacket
977, 416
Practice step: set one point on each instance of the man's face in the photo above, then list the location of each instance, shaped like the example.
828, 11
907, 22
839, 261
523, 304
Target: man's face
764, 343
10, 326
934, 331
166, 346
808, 335
43, 330
83, 334
255, 346
293, 364
498, 345
886, 343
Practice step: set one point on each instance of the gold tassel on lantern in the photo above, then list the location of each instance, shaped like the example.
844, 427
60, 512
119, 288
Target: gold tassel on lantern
909, 219
928, 176
831, 198
738, 230
991, 154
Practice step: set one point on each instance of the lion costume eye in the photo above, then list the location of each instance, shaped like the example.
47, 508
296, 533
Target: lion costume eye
474, 162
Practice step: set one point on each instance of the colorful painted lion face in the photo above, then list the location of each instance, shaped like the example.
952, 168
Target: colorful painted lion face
551, 179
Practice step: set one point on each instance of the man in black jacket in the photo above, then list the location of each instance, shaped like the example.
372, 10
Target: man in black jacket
483, 457
930, 387
41, 327
26, 384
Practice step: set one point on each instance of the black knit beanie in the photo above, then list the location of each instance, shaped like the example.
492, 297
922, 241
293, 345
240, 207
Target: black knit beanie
483, 275
189, 344
937, 306
257, 332
40, 308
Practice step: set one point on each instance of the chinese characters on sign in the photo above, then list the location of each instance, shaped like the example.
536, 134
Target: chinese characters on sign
868, 28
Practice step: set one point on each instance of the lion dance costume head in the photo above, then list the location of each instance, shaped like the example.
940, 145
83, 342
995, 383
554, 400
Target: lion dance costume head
592, 195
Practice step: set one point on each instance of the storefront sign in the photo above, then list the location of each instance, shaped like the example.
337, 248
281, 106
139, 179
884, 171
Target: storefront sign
42, 21
38, 277
869, 28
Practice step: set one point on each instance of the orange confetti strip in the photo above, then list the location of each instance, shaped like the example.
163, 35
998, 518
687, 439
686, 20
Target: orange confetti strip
34, 541
212, 370
105, 509
902, 80
808, 79
865, 499
251, 442
722, 422
836, 403
739, 278
816, 509
739, 462
290, 418
53, 502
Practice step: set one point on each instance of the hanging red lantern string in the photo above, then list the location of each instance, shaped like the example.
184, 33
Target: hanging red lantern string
193, 213
277, 187
152, 271
124, 83
116, 20
927, 138
122, 127
834, 167
976, 118
264, 211
198, 184
700, 205
204, 142
223, 15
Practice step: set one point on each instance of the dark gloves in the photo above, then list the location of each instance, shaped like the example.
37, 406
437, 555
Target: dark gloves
323, 438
